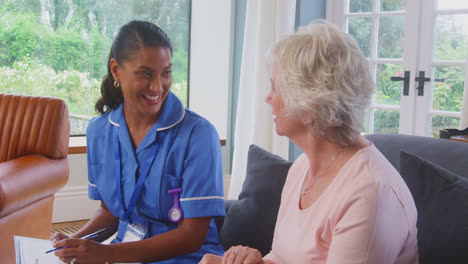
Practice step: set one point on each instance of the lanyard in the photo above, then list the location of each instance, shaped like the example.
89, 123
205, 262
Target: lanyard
144, 170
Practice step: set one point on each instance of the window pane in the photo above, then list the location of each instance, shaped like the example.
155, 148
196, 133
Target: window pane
392, 5
452, 37
359, 6
60, 48
360, 29
443, 122
388, 92
386, 122
448, 88
452, 4
391, 33
365, 125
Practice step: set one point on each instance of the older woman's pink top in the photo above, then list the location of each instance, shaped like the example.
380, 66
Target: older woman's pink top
366, 215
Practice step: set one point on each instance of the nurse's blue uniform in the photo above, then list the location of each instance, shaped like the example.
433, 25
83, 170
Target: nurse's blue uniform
188, 156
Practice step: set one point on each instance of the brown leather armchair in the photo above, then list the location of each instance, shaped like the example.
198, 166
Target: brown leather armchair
34, 134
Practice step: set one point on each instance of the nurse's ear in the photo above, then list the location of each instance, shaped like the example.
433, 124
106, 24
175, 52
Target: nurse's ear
115, 68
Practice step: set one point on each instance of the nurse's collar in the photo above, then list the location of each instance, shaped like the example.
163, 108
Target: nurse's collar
112, 122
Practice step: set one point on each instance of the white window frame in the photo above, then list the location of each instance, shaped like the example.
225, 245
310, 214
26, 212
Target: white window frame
415, 111
210, 78
408, 62
210, 81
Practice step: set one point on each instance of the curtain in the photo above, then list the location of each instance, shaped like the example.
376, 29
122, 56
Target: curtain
266, 21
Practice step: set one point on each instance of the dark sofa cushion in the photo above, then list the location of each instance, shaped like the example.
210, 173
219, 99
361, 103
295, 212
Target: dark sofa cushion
445, 153
441, 199
251, 220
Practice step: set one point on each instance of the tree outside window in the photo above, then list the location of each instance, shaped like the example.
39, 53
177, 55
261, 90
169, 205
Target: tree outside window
60, 48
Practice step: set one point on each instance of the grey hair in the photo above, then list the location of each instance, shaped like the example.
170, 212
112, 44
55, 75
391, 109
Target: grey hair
324, 80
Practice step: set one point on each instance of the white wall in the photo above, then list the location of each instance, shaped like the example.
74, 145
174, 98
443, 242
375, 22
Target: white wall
72, 202
210, 60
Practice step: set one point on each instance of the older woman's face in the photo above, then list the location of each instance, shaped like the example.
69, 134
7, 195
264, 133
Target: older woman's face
284, 124
275, 99
145, 78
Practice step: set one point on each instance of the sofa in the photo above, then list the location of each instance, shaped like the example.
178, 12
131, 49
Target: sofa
435, 170
34, 134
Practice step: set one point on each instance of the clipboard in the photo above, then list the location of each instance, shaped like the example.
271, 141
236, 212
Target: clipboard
30, 250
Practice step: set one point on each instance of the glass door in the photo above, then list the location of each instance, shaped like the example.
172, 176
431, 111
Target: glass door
444, 57
417, 54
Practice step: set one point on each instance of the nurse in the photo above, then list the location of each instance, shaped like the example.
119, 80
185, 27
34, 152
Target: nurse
154, 165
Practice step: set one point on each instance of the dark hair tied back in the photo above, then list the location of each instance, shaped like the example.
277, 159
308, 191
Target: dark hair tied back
131, 37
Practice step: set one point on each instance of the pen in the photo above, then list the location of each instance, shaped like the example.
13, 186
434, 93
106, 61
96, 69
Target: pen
92, 235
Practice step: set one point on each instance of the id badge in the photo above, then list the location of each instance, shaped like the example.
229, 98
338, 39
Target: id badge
135, 232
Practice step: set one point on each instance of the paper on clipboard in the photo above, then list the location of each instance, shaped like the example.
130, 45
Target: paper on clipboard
32, 251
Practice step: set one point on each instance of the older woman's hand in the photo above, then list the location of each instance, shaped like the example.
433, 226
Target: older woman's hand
242, 255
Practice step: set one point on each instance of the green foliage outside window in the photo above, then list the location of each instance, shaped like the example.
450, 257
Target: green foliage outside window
451, 44
60, 48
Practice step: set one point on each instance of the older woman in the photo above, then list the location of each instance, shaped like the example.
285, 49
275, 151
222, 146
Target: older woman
342, 202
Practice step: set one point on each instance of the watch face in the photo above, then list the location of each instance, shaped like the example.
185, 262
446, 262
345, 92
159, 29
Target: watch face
175, 214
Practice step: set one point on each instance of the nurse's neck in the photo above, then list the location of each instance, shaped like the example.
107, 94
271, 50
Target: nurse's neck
138, 125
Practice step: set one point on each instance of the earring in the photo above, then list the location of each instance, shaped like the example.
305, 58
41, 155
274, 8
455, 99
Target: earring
116, 84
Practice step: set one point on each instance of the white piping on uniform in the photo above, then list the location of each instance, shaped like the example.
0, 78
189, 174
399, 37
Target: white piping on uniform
201, 198
181, 118
110, 120
92, 185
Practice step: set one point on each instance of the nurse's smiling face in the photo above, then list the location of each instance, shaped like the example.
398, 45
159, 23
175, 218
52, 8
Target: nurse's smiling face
145, 78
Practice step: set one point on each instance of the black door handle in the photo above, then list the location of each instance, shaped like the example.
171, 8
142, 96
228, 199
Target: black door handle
421, 80
405, 80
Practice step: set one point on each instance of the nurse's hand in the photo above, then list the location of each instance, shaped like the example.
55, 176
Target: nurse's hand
244, 255
211, 259
57, 237
81, 251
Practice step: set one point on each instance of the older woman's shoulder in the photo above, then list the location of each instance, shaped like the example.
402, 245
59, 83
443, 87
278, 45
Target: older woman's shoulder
299, 166
380, 167
370, 170
301, 160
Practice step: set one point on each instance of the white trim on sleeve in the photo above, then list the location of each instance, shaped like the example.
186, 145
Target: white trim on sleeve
201, 198
92, 185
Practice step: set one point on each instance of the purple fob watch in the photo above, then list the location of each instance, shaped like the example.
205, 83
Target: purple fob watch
175, 213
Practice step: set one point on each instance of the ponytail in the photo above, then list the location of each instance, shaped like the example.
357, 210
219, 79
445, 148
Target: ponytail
111, 96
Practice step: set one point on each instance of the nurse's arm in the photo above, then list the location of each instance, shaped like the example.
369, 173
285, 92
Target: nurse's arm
103, 218
185, 239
